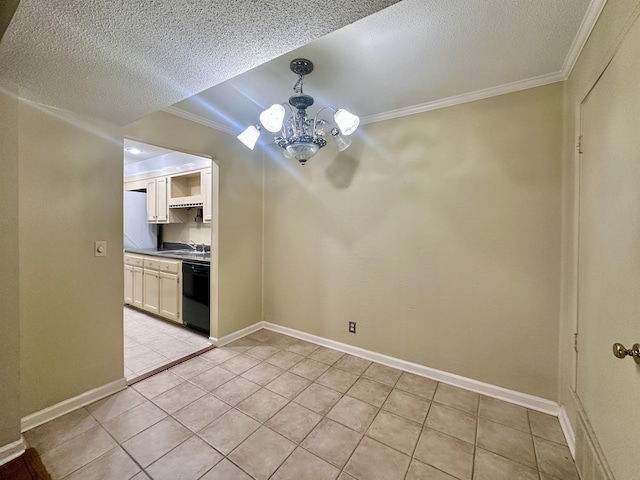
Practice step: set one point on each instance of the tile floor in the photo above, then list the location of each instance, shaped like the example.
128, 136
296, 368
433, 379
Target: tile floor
269, 406
151, 343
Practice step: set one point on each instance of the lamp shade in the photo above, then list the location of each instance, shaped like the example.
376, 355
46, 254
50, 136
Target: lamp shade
341, 142
347, 121
272, 118
250, 136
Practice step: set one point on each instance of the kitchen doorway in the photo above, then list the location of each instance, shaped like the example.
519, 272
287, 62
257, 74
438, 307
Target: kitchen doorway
170, 221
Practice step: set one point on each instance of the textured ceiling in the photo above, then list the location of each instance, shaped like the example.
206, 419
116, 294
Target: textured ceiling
414, 56
119, 60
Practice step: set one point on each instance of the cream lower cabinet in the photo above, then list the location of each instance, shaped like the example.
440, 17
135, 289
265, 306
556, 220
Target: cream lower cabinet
133, 281
154, 285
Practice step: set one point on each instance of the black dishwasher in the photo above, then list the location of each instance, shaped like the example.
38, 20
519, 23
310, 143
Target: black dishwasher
195, 296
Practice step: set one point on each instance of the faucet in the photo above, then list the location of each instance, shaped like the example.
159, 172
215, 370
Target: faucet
197, 247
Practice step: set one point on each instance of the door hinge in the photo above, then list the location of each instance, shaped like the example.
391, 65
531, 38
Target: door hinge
579, 144
575, 341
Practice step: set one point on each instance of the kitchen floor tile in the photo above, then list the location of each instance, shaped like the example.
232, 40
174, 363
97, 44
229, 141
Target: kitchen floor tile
422, 471
262, 405
55, 432
337, 379
555, 459
547, 427
304, 465
395, 431
262, 373
225, 470
505, 413
309, 369
489, 466
417, 385
219, 355
240, 364
407, 405
226, 414
115, 464
375, 461
159, 383
262, 453
236, 390
457, 398
302, 348
446, 453
67, 457
188, 461
353, 413
351, 364
212, 379
134, 421
506, 441
369, 391
294, 422
201, 413
325, 355
382, 374
178, 397
114, 405
318, 398
228, 431
153, 443
332, 442
191, 368
288, 385
284, 359
452, 422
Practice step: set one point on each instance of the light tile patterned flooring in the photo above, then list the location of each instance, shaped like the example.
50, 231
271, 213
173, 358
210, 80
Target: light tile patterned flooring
151, 343
269, 406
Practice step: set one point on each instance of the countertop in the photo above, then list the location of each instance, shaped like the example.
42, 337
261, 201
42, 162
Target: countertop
190, 257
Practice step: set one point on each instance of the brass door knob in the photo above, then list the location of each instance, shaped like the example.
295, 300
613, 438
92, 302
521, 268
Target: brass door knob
620, 352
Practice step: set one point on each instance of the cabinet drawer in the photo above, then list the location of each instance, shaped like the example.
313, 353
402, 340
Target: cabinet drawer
152, 263
170, 266
133, 260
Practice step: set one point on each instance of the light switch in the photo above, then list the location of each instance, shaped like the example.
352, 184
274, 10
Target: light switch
100, 248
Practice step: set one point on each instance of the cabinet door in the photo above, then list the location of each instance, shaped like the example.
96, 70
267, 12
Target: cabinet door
170, 296
162, 209
138, 282
151, 201
128, 284
206, 200
151, 296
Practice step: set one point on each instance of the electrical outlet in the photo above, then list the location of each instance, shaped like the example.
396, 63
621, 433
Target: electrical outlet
100, 248
352, 327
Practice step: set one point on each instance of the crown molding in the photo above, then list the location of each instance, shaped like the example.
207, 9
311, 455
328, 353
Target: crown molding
465, 97
199, 119
588, 22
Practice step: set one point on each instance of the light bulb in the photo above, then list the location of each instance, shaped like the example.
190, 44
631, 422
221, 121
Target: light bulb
272, 118
341, 141
347, 121
250, 136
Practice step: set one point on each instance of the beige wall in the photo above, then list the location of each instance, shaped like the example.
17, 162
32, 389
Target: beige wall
9, 286
70, 194
239, 247
609, 29
438, 233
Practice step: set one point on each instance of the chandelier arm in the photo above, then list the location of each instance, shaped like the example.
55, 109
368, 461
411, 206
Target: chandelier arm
315, 119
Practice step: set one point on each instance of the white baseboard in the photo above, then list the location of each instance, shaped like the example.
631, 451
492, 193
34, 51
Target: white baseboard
523, 399
66, 406
12, 450
567, 429
219, 342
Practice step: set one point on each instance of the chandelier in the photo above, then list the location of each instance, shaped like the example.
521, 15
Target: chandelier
298, 135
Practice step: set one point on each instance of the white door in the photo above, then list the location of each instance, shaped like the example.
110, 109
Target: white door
609, 258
